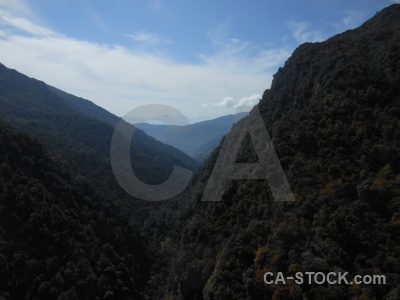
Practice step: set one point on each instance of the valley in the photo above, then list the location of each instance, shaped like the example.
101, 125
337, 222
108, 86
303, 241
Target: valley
69, 231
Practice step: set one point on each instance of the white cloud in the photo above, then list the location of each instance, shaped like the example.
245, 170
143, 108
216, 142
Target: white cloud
302, 33
226, 102
22, 24
15, 14
249, 101
16, 7
235, 54
119, 79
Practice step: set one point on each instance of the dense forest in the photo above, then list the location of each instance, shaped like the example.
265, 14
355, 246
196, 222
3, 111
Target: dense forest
333, 115
80, 133
59, 237
67, 231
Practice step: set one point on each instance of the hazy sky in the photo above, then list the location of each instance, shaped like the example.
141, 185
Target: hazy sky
202, 57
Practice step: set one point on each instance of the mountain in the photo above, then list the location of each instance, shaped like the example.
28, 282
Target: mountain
204, 151
60, 238
86, 107
67, 231
196, 140
332, 113
80, 131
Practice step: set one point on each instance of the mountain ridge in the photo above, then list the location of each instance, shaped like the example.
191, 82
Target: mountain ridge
332, 113
86, 107
31, 106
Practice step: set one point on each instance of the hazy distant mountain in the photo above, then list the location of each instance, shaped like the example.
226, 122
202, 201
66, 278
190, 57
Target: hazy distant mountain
196, 140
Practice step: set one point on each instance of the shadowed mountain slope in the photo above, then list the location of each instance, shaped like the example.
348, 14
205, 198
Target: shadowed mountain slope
333, 114
86, 107
80, 131
59, 237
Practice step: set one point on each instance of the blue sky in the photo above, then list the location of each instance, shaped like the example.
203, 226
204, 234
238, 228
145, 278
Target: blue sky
204, 58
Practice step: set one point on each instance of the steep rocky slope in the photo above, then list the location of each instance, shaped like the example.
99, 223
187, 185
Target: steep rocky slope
333, 115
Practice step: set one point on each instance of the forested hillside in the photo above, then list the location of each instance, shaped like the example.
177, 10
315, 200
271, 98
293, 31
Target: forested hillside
86, 107
59, 237
333, 115
67, 231
80, 131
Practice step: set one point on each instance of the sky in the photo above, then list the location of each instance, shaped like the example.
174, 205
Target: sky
205, 58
